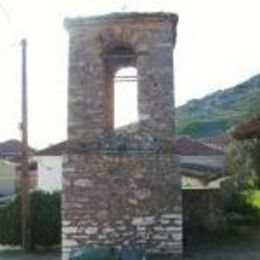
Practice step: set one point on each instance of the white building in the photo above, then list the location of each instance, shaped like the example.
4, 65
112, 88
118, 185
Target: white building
49, 167
49, 172
7, 178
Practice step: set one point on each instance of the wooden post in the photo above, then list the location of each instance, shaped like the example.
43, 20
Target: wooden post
25, 177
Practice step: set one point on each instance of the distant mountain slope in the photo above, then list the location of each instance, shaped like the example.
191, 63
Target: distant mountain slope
215, 113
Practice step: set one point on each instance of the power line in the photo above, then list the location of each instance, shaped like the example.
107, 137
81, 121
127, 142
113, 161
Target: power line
5, 13
8, 19
11, 24
8, 46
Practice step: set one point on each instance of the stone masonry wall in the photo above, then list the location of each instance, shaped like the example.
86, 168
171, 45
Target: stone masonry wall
94, 61
122, 200
121, 190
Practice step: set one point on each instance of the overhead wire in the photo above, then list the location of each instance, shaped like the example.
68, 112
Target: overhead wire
10, 22
6, 15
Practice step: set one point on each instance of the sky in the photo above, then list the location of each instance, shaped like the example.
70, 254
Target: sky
217, 47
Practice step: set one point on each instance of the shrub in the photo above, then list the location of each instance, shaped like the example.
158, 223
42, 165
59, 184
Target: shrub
252, 198
45, 220
246, 204
10, 231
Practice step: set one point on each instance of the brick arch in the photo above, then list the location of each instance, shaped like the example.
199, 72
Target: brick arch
115, 58
120, 55
109, 38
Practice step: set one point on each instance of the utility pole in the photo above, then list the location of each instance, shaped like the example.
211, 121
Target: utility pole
25, 176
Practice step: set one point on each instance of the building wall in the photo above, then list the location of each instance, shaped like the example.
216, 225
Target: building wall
122, 200
118, 192
7, 178
49, 172
94, 60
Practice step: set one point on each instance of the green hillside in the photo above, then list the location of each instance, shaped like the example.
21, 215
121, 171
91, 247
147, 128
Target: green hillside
215, 113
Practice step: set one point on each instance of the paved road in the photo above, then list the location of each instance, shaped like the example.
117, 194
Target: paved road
248, 251
18, 254
202, 255
224, 255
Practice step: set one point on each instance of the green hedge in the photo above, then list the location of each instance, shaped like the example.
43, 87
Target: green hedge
245, 203
10, 231
45, 220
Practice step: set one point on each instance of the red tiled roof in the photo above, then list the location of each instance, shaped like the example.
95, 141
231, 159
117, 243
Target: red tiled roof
12, 149
185, 146
218, 141
56, 149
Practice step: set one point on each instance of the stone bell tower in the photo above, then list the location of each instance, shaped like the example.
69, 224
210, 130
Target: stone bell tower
121, 188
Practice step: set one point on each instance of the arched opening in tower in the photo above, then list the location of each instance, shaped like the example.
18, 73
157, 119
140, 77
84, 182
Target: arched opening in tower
125, 97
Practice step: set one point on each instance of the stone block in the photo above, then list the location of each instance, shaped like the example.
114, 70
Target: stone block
91, 230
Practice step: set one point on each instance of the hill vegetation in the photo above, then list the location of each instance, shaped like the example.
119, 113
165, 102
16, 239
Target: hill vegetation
215, 113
